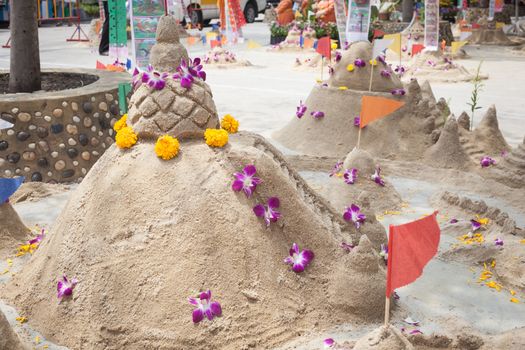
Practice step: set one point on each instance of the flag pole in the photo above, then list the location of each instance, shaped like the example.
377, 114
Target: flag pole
388, 274
387, 311
322, 64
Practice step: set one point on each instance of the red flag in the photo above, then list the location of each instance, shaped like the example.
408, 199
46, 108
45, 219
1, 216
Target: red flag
410, 248
324, 47
417, 48
378, 33
101, 65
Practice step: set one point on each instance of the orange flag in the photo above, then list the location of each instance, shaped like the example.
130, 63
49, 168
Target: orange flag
374, 108
191, 40
101, 65
410, 248
324, 47
308, 43
214, 43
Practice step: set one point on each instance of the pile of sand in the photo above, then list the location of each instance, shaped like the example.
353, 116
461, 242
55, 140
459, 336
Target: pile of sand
384, 338
8, 338
12, 229
177, 228
221, 58
405, 133
490, 36
35, 191
293, 40
313, 63
436, 67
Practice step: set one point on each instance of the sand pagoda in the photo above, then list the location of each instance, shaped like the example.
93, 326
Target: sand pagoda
176, 228
219, 57
406, 132
488, 34
12, 229
293, 39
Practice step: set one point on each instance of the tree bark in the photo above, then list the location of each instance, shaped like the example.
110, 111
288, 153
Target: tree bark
408, 10
24, 74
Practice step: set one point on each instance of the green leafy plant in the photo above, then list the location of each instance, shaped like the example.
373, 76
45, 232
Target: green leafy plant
474, 97
277, 30
92, 10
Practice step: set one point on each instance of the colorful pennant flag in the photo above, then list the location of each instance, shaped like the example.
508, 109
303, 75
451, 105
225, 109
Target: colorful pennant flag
417, 48
396, 42
253, 44
374, 108
456, 45
8, 186
378, 33
191, 40
410, 247
214, 43
211, 36
324, 47
380, 45
301, 41
308, 43
101, 65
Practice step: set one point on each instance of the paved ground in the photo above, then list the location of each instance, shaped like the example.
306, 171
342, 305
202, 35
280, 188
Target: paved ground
263, 97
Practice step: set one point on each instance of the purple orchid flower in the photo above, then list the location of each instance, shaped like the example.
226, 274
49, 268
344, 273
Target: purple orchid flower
336, 168
301, 110
38, 238
154, 79
431, 63
187, 71
246, 180
384, 252
475, 225
385, 73
317, 114
330, 70
377, 177
400, 70
447, 60
350, 176
360, 63
136, 78
398, 92
65, 287
486, 161
381, 59
268, 212
299, 259
328, 343
347, 246
205, 307
412, 332
498, 242
353, 213
454, 221
357, 121
338, 56
504, 153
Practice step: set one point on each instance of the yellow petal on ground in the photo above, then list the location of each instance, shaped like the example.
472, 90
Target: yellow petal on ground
514, 300
45, 346
9, 262
512, 292
4, 272
343, 88
522, 241
493, 285
21, 319
318, 81
493, 263
37, 340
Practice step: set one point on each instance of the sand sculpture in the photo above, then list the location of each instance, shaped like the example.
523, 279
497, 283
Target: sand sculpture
221, 58
12, 229
293, 39
178, 229
167, 51
384, 338
488, 34
8, 338
403, 134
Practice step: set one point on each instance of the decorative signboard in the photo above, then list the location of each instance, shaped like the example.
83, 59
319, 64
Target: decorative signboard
340, 18
118, 37
358, 20
431, 25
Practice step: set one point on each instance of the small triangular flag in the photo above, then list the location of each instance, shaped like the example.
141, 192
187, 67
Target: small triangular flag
191, 40
374, 108
253, 44
101, 65
308, 43
456, 45
417, 48
396, 42
215, 43
8, 186
380, 45
301, 41
378, 33
128, 64
324, 47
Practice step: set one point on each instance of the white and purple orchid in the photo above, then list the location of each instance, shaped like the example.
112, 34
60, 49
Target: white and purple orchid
65, 287
246, 180
205, 307
398, 92
486, 161
299, 259
353, 213
360, 63
328, 343
38, 238
385, 73
268, 212
474, 225
336, 168
357, 121
499, 242
347, 246
301, 110
453, 221
376, 176
350, 176
187, 71
338, 56
383, 252
317, 114
400, 70
154, 79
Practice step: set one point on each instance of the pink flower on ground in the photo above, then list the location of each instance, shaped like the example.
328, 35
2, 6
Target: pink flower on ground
299, 259
268, 212
205, 307
353, 213
246, 181
65, 287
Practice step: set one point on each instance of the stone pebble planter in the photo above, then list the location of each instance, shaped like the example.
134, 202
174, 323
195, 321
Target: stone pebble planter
58, 136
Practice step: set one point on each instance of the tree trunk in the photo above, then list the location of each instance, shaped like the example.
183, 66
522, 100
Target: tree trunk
24, 74
408, 10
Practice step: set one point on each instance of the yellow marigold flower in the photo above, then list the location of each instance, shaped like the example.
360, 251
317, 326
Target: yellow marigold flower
125, 137
334, 46
512, 292
350, 67
216, 137
343, 88
122, 122
373, 62
483, 221
522, 241
230, 124
167, 147
514, 300
493, 285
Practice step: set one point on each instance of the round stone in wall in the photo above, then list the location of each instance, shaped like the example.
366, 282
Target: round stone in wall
27, 169
54, 154
57, 128
87, 107
15, 110
60, 165
75, 163
64, 104
84, 171
18, 171
94, 141
109, 97
96, 115
2, 162
76, 119
103, 106
74, 106
86, 155
8, 118
13, 157
42, 132
29, 156
10, 132
83, 139
22, 136
24, 117
4, 145
47, 119
68, 173
8, 173
36, 177
94, 128
62, 146
32, 127
42, 162
49, 173
58, 113
38, 114
71, 142
93, 99
72, 153
43, 146
88, 122
95, 153
72, 129
32, 145
114, 109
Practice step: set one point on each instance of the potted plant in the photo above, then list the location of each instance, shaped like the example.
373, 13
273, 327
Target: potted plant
277, 33
386, 8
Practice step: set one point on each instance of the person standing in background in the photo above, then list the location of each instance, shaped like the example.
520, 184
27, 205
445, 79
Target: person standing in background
103, 48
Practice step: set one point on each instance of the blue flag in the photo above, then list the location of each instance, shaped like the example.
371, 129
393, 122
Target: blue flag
9, 186
301, 41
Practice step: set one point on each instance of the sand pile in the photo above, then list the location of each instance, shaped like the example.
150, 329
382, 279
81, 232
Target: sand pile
293, 40
448, 152
384, 338
12, 229
313, 63
8, 338
436, 67
488, 34
405, 133
221, 58
35, 191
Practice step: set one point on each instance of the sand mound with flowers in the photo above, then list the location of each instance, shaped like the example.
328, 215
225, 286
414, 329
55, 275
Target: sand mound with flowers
12, 229
439, 68
8, 339
219, 57
177, 228
383, 338
488, 36
293, 40
404, 133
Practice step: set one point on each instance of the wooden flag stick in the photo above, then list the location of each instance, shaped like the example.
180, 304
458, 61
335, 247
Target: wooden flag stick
387, 311
371, 76
399, 50
322, 66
